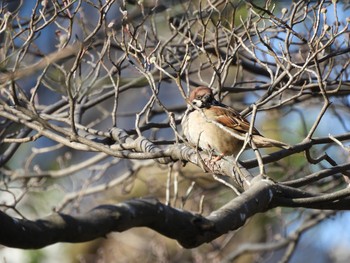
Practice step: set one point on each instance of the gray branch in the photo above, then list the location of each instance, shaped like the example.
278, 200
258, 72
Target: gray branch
189, 229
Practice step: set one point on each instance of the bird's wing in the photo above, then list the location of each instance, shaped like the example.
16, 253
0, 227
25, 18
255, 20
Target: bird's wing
233, 120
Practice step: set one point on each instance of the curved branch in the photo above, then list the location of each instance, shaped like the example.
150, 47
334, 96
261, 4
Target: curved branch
189, 229
300, 147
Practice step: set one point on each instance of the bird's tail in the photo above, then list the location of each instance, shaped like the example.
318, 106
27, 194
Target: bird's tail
262, 141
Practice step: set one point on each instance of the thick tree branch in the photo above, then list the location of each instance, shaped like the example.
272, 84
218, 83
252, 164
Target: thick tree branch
189, 229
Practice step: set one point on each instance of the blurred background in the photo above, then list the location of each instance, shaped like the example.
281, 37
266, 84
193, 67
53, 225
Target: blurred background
131, 66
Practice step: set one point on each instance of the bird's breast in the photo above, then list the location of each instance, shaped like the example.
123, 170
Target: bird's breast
199, 129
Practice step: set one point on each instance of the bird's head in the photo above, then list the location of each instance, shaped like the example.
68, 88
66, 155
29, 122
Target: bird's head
202, 97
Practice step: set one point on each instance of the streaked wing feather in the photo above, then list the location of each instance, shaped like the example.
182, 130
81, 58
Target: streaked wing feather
233, 120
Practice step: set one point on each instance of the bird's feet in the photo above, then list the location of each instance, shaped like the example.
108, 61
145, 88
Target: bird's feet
211, 163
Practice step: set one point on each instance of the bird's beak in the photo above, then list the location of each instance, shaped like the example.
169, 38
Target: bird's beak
206, 98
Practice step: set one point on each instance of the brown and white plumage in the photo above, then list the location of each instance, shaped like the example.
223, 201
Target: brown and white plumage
217, 127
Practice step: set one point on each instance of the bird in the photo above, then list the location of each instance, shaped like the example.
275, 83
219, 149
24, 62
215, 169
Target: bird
218, 128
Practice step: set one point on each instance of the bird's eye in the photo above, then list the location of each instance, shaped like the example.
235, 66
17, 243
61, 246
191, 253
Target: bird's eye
198, 97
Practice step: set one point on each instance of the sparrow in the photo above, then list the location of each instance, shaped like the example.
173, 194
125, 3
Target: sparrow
217, 128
